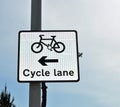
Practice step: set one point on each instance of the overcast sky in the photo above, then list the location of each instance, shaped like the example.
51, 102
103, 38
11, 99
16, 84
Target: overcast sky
97, 23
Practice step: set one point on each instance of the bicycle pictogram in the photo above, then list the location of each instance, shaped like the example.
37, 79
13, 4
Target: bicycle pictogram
58, 47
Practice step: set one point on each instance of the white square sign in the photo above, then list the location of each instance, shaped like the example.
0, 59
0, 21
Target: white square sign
50, 56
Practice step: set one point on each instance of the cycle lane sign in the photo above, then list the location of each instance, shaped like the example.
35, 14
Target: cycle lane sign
50, 56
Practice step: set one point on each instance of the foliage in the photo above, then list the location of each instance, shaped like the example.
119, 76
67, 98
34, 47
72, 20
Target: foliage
5, 99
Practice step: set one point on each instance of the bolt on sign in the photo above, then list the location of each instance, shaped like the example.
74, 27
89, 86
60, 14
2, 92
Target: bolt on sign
50, 56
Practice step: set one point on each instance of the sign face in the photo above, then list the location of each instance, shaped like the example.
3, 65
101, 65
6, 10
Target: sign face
50, 56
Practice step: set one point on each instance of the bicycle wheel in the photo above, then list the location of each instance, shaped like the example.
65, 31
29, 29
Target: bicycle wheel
59, 47
36, 47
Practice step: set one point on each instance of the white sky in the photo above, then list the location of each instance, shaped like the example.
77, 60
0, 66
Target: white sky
97, 23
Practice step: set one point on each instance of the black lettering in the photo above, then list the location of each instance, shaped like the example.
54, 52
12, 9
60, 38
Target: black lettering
32, 74
26, 72
65, 73
38, 73
55, 72
43, 72
47, 73
59, 73
71, 73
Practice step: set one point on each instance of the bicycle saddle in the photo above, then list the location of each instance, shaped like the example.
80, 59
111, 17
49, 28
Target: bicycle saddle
53, 36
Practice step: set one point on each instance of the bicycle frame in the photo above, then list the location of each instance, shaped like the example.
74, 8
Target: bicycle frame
57, 46
52, 40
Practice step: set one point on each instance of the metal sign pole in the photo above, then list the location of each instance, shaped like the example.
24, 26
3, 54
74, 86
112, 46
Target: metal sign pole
35, 87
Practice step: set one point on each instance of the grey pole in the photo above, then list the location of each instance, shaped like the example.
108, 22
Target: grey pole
35, 87
36, 14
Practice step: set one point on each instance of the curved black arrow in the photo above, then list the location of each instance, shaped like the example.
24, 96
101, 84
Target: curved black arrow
43, 60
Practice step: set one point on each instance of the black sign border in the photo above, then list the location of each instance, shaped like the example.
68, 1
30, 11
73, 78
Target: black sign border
48, 31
